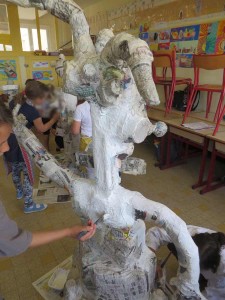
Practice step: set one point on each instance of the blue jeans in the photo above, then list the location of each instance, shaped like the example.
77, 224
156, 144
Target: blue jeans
25, 187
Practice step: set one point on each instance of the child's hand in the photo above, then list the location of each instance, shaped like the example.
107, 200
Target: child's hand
53, 131
90, 229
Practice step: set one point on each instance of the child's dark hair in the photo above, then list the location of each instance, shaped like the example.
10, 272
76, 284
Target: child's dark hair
34, 89
5, 115
209, 247
29, 80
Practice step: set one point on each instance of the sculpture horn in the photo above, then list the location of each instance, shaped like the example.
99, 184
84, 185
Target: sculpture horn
125, 48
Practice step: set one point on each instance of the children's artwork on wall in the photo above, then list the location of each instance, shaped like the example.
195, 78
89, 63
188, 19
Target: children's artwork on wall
144, 27
144, 36
8, 70
220, 42
184, 47
42, 75
164, 36
206, 38
153, 37
187, 33
186, 60
40, 64
211, 38
203, 33
164, 46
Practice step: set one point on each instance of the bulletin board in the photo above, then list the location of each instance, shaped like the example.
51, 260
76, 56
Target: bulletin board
42, 68
206, 38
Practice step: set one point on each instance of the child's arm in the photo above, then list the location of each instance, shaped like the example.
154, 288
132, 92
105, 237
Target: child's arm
76, 125
41, 127
42, 238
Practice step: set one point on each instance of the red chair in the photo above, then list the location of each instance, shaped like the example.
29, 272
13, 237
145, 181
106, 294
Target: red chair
207, 62
222, 114
167, 59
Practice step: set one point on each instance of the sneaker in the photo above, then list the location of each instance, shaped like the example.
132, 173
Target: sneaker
19, 194
35, 208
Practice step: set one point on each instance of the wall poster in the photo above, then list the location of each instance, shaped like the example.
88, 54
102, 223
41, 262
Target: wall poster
42, 75
40, 64
8, 70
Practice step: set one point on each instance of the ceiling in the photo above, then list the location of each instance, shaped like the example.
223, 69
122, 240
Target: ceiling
84, 3
29, 13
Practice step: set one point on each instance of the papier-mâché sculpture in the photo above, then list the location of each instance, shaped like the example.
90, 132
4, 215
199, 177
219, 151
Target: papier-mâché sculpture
116, 78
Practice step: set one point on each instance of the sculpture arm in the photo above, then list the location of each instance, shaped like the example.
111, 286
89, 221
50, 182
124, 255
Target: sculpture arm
188, 273
42, 158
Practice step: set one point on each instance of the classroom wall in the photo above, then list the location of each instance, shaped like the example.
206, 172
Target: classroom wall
64, 33
165, 14
101, 9
48, 21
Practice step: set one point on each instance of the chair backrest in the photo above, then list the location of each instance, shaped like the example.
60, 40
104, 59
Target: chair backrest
164, 58
209, 61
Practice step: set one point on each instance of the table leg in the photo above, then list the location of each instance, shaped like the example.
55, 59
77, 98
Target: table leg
201, 182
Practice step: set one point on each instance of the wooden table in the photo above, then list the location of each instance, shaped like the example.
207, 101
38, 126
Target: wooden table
156, 114
196, 138
218, 151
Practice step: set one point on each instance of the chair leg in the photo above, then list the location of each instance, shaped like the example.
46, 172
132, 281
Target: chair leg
189, 105
209, 101
171, 97
219, 106
219, 121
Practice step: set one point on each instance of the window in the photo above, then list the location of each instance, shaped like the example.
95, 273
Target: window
25, 39
44, 39
1, 47
27, 17
35, 39
4, 24
29, 30
8, 47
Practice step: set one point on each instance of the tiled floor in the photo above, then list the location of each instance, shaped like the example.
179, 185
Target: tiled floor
171, 187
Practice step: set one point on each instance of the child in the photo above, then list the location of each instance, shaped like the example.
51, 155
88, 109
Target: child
82, 125
211, 246
30, 103
13, 240
45, 113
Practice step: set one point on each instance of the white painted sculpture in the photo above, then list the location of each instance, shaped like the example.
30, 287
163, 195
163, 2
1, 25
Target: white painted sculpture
116, 79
